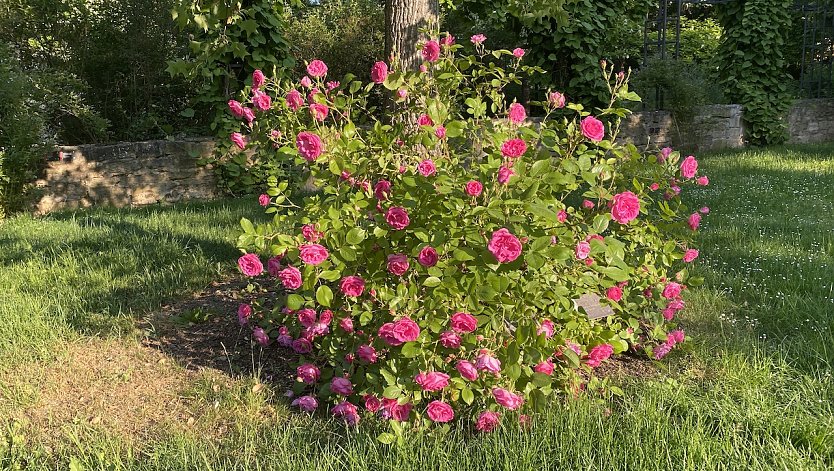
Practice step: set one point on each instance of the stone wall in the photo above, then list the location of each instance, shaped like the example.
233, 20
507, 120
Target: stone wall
811, 121
713, 127
127, 174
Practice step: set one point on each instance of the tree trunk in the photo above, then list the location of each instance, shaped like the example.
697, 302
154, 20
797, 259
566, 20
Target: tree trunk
403, 21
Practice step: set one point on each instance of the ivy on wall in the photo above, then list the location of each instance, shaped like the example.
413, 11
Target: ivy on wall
754, 67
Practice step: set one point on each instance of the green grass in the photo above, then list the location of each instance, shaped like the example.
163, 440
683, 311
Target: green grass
755, 391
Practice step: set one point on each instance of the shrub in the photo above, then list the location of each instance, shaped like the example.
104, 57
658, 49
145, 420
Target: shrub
435, 275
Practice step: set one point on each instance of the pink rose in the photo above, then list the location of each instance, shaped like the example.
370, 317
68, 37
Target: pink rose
661, 351
450, 339
614, 293
306, 317
517, 113
478, 39
518, 52
689, 167
239, 140
441, 412
346, 324
402, 93
588, 204
485, 362
382, 190
262, 101
399, 412
348, 412
386, 333
236, 108
504, 174
504, 246
664, 154
703, 180
258, 79
447, 40
513, 148
626, 207
432, 381
583, 249
426, 168
379, 72
244, 312
250, 265
317, 68
290, 278
507, 399
332, 85
309, 145
440, 132
487, 421
424, 120
294, 100
248, 115
306, 82
599, 354
654, 186
352, 286
306, 403
467, 370
463, 322
326, 317
398, 264
675, 337
545, 367
260, 336
431, 51
310, 233
428, 256
341, 386
312, 254
704, 210
556, 100
546, 327
372, 403
308, 373
405, 330
367, 353
672, 290
318, 111
592, 128
694, 221
474, 188
263, 200
397, 218
690, 255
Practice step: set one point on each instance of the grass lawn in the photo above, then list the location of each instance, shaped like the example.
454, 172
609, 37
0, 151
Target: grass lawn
753, 391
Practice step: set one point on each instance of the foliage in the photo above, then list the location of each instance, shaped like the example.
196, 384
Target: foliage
421, 223
23, 135
754, 67
683, 86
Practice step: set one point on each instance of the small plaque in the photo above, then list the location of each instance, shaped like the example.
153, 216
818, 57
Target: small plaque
593, 307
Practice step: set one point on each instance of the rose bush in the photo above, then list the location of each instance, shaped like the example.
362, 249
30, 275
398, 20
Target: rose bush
434, 275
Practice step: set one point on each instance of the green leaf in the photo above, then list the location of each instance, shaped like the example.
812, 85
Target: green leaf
356, 235
431, 282
295, 302
386, 438
330, 275
324, 295
467, 395
247, 226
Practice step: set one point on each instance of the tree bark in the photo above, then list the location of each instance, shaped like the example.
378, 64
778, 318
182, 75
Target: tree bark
403, 21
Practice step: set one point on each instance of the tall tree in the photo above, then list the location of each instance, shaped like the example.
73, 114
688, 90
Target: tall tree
403, 21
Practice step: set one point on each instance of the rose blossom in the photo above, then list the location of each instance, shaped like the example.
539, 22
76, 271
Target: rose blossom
332, 85
463, 322
424, 120
239, 140
504, 246
487, 421
258, 79
702, 181
386, 333
664, 154
405, 330
599, 354
675, 337
308, 373
382, 190
432, 381
545, 367
583, 249
379, 72
517, 113
290, 278
399, 412
474, 188
248, 115
689, 167
306, 82
661, 351
310, 233
440, 132
352, 286
402, 93
398, 264
546, 327
262, 101
306, 317
366, 353
672, 290
485, 362
614, 293
244, 311
504, 174
372, 403
302, 346
430, 51
518, 52
694, 221
626, 207
513, 148
306, 403
556, 100
294, 100
260, 336
478, 39
588, 204
426, 168
428, 256
507, 399
592, 128
690, 255
447, 40
467, 370
250, 265
346, 411
397, 217
236, 108
309, 145
704, 210
317, 68
312, 254
562, 216
263, 200
441, 412
450, 339
318, 111
341, 386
